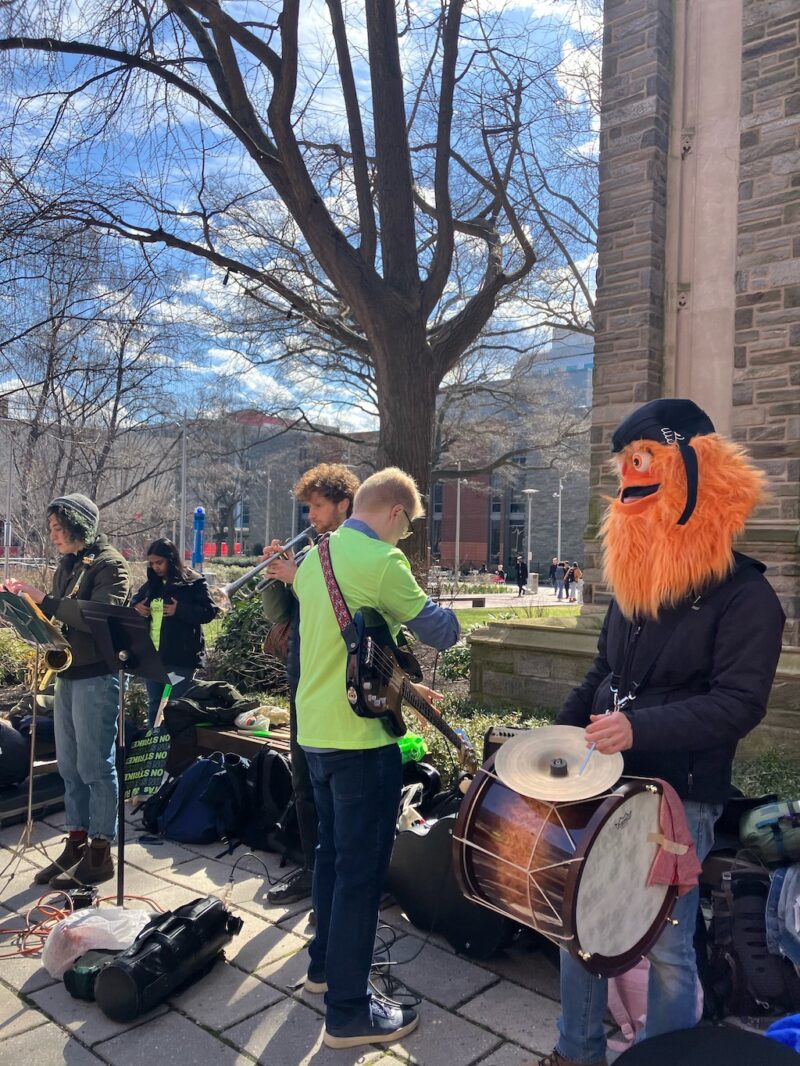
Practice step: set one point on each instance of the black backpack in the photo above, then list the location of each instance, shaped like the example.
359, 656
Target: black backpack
268, 795
739, 974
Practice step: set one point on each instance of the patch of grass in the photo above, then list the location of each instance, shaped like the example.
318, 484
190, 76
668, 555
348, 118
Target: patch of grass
470, 617
768, 772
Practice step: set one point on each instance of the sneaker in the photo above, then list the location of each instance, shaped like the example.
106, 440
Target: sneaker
295, 887
554, 1059
385, 1025
316, 985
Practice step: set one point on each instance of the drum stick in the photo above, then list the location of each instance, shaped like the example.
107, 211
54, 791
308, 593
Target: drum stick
589, 753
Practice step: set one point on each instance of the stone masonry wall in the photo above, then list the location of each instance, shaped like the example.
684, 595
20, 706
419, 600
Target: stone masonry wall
766, 390
629, 319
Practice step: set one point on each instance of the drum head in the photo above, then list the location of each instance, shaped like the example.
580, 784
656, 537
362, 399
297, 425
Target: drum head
525, 762
617, 917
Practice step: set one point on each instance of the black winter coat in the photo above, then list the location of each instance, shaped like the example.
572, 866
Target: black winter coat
708, 688
181, 642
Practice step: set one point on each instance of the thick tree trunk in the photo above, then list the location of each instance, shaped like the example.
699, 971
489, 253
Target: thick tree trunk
407, 389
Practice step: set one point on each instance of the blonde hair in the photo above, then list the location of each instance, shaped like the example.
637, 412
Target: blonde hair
387, 488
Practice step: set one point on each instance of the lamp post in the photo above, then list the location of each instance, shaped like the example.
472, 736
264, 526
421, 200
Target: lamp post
530, 493
294, 514
457, 562
267, 519
559, 495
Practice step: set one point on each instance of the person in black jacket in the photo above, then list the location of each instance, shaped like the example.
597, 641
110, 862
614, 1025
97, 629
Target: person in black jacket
685, 662
86, 694
328, 490
178, 603
522, 575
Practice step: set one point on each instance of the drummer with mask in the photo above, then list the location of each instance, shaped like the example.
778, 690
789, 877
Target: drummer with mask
685, 663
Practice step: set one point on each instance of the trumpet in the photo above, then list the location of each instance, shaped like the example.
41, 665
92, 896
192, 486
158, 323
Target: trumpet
223, 594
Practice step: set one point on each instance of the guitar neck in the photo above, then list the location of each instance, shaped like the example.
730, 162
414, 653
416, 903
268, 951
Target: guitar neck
413, 699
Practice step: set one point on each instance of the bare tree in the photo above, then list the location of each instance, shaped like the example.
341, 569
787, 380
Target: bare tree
340, 174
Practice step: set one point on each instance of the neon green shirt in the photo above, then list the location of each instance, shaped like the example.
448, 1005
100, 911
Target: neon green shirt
370, 573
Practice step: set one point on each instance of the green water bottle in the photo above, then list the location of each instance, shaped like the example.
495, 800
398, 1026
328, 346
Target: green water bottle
412, 747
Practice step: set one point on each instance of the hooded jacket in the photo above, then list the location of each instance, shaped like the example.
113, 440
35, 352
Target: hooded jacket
707, 667
105, 579
181, 641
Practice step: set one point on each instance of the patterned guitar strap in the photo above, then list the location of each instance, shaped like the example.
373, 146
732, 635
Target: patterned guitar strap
344, 619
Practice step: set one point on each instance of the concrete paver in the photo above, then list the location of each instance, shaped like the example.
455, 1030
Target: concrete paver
432, 972
445, 1039
509, 1055
516, 1014
225, 996
84, 1020
44, 1046
291, 1033
169, 1039
522, 964
261, 943
15, 1017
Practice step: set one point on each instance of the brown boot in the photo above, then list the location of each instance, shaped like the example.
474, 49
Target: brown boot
69, 857
94, 867
554, 1059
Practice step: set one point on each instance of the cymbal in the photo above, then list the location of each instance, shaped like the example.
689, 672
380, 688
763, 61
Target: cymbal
544, 763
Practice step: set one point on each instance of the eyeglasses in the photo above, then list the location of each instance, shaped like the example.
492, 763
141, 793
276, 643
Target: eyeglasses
410, 531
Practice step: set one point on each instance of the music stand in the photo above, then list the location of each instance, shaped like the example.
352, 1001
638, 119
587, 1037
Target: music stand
26, 617
123, 638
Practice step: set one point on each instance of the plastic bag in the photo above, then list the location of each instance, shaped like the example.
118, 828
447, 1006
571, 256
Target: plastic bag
89, 929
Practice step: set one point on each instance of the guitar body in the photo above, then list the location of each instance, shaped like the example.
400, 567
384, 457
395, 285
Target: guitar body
375, 676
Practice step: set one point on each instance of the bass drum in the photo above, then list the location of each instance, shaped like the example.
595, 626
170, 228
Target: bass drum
574, 871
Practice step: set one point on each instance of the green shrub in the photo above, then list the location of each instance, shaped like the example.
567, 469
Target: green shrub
237, 655
768, 772
15, 657
455, 662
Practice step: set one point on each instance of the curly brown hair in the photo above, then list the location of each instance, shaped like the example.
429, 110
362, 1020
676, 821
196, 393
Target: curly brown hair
331, 480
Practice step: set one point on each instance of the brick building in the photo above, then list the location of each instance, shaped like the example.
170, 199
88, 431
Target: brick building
699, 247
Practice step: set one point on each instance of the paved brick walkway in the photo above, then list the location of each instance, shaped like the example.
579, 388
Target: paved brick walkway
498, 1013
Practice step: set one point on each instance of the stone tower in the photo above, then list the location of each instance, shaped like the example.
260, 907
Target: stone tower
698, 290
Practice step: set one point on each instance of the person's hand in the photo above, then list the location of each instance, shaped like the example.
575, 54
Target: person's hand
283, 569
272, 548
610, 733
142, 609
170, 608
20, 587
430, 695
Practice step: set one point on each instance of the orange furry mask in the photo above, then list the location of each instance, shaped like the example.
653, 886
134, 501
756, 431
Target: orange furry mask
652, 561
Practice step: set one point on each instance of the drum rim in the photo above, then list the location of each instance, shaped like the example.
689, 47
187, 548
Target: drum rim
602, 965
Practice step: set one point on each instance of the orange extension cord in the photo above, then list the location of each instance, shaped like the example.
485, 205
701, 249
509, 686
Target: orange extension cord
37, 929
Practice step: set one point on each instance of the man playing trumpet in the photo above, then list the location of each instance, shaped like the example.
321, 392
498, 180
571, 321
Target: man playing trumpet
328, 490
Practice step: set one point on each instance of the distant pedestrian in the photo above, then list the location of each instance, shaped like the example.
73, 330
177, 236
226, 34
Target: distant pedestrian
522, 576
576, 584
551, 577
560, 575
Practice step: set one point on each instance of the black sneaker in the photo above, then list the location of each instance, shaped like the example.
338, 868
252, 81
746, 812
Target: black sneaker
296, 886
386, 1024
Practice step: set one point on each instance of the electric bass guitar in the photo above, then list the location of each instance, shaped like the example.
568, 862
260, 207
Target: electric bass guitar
379, 682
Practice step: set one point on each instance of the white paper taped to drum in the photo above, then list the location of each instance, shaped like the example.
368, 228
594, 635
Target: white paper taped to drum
528, 763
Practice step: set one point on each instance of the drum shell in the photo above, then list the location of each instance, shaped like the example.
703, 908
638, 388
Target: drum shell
500, 835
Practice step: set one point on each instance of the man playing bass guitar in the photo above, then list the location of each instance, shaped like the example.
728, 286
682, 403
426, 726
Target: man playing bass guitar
355, 763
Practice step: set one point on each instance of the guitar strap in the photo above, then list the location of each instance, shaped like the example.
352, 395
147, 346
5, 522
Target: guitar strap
344, 619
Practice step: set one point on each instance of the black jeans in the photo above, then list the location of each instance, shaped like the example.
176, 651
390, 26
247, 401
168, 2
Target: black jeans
303, 792
358, 795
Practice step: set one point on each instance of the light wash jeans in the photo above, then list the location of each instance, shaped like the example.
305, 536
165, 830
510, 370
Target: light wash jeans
672, 991
85, 717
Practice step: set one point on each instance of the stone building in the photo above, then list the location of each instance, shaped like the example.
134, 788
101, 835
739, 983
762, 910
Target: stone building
699, 243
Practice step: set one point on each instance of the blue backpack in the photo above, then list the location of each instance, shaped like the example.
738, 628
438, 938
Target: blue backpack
190, 817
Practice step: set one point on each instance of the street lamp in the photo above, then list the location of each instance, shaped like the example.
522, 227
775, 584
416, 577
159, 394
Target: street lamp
530, 493
559, 495
457, 562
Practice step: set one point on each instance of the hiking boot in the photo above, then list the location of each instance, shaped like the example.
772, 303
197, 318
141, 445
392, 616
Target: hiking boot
385, 1025
296, 886
69, 857
554, 1059
94, 867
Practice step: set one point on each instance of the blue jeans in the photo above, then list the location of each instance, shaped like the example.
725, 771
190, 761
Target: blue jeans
357, 794
155, 690
85, 719
559, 588
672, 991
